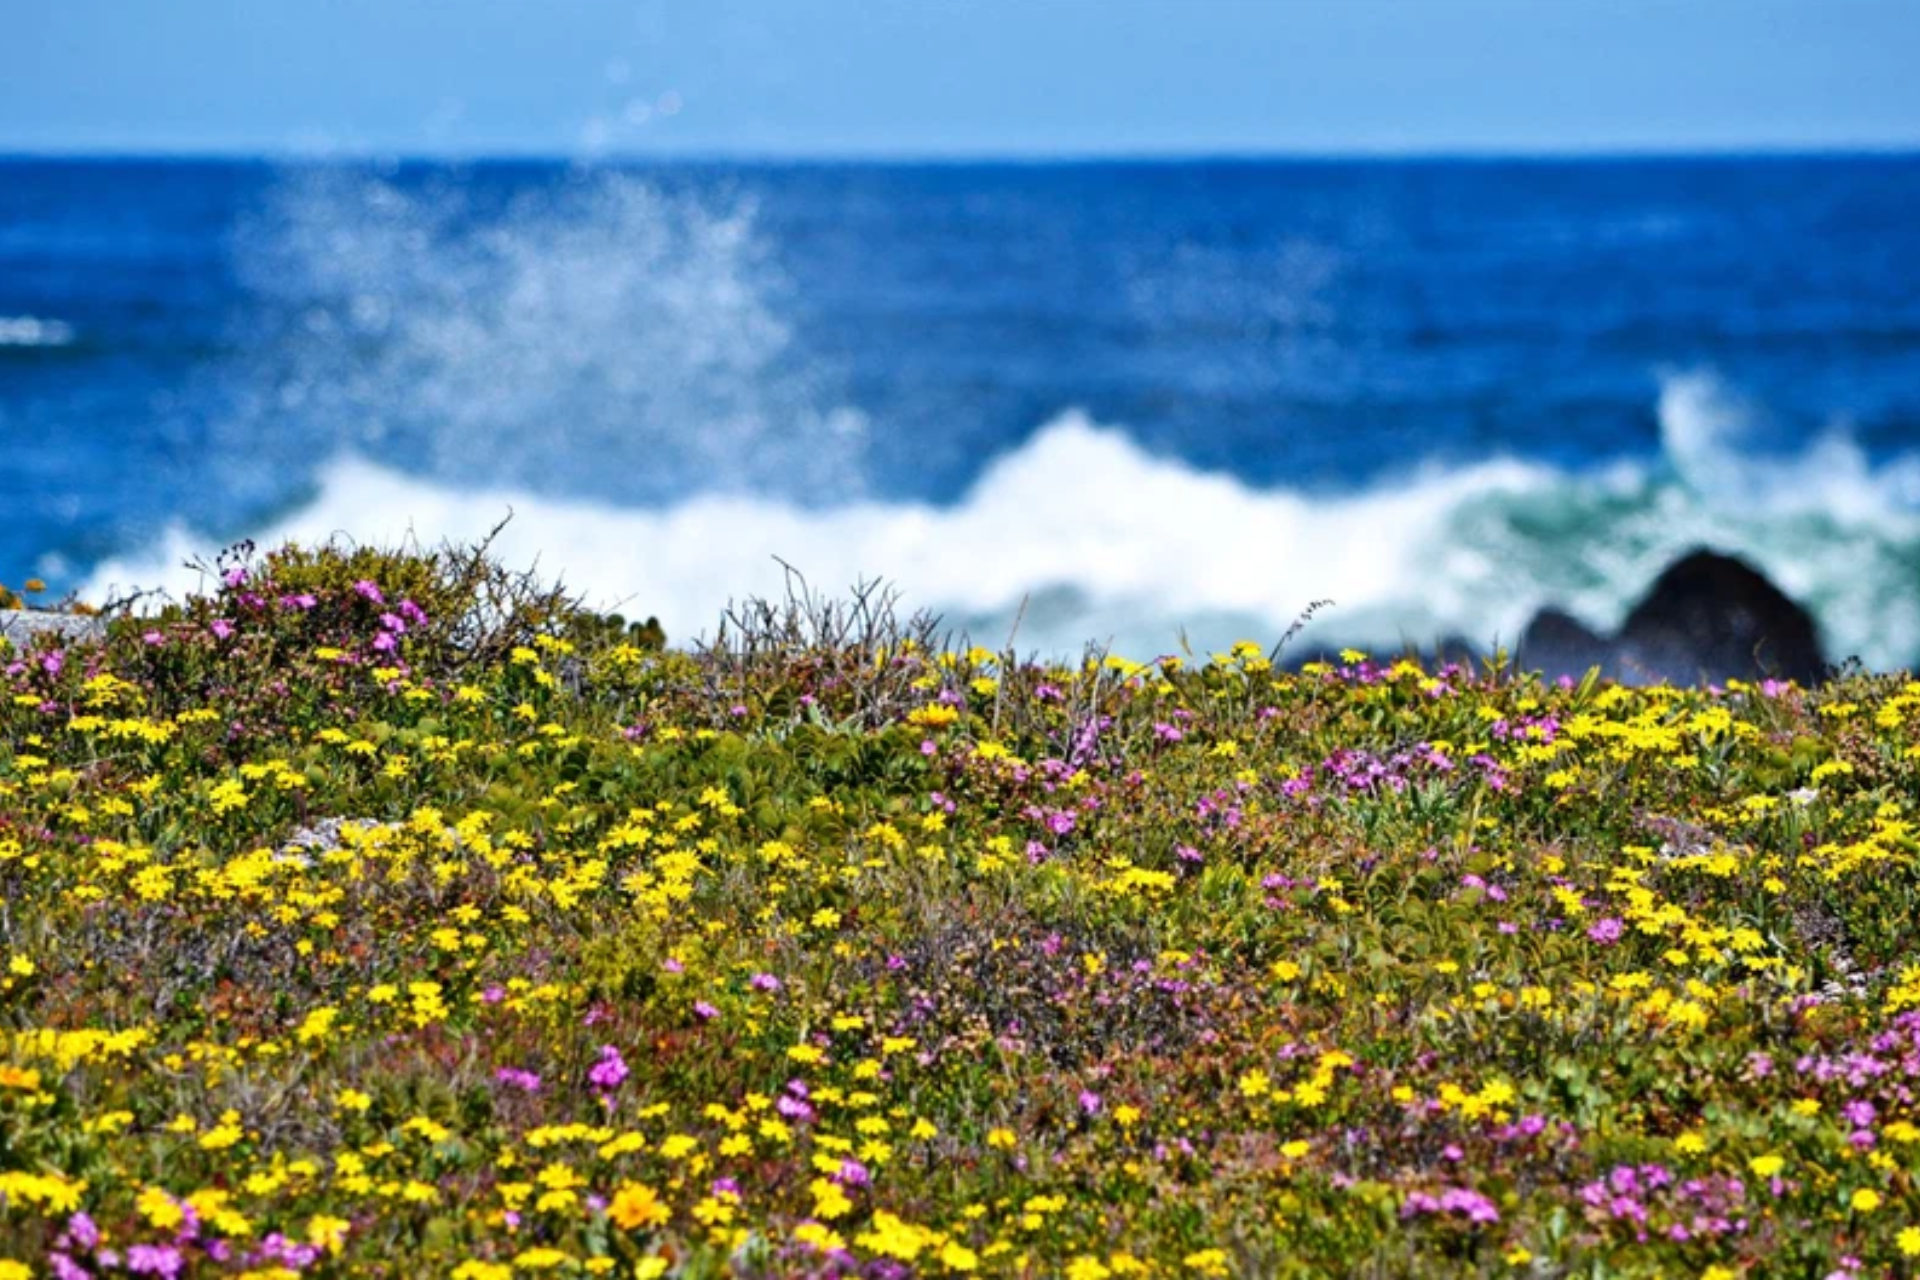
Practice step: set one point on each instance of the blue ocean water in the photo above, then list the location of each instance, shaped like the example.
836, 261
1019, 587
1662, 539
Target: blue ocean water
1115, 401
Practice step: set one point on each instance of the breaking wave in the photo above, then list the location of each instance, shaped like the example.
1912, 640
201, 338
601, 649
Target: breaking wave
1085, 535
602, 336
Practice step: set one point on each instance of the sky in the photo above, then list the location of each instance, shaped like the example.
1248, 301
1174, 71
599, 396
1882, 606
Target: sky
903, 78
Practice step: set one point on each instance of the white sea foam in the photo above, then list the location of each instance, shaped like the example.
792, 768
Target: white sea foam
601, 338
1106, 541
34, 331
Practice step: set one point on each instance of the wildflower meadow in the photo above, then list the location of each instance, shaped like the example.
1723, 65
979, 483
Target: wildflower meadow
388, 914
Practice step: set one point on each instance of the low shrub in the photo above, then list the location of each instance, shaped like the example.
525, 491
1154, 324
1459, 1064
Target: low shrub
387, 913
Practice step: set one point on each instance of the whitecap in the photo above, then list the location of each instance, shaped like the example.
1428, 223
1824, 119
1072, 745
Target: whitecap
35, 331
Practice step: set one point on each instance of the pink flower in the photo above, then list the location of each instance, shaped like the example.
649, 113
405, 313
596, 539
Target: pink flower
154, 1259
607, 1073
84, 1232
1471, 1204
525, 1081
277, 1248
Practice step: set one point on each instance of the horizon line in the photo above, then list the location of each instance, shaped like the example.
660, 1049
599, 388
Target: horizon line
958, 157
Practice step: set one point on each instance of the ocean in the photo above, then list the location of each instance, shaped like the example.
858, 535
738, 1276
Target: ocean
1145, 404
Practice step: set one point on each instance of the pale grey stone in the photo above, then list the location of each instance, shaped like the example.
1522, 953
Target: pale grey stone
22, 625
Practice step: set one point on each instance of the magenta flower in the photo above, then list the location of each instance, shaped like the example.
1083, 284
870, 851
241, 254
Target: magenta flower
277, 1248
1475, 1207
154, 1259
525, 1081
1606, 932
607, 1073
84, 1232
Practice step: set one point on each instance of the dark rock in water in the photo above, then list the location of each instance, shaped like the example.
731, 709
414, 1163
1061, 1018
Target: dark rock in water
1708, 617
1560, 644
1716, 616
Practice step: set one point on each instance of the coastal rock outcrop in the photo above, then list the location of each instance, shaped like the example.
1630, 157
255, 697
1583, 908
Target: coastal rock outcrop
1707, 617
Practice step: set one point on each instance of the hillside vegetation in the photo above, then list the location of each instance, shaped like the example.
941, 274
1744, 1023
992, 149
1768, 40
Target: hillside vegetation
387, 914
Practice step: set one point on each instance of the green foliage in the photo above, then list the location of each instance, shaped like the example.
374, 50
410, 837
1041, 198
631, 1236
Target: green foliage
391, 906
